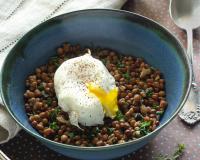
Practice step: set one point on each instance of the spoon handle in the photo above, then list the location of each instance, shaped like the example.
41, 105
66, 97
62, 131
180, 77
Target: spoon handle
191, 110
190, 50
195, 83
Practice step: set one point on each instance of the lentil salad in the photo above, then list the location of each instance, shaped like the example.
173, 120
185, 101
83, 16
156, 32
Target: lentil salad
141, 100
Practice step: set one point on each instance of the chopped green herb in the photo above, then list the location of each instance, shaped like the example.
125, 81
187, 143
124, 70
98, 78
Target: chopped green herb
55, 61
41, 87
91, 136
57, 136
179, 151
58, 110
71, 135
93, 132
104, 61
145, 124
120, 65
97, 130
110, 130
49, 101
144, 127
57, 65
54, 126
175, 156
53, 114
149, 92
153, 68
144, 131
119, 115
155, 106
127, 76
159, 112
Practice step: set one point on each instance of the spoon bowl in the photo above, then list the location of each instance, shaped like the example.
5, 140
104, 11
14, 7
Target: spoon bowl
185, 13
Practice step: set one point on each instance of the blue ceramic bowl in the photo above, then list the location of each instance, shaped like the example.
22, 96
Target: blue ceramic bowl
119, 30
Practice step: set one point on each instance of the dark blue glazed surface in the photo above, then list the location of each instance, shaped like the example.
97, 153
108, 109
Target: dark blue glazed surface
119, 30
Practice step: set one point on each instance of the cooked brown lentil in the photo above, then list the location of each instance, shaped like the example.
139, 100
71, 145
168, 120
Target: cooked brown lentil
141, 100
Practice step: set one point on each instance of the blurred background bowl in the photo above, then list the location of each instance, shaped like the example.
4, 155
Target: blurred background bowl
122, 31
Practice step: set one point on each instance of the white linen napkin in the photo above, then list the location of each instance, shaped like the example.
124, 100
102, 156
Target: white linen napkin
19, 16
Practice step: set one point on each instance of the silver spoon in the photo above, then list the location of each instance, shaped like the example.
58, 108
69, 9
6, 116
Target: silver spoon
186, 15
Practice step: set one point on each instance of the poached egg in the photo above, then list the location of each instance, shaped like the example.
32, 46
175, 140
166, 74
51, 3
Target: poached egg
86, 90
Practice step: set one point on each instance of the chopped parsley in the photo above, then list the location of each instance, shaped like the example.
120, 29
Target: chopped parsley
54, 126
155, 106
55, 61
145, 124
159, 112
104, 61
127, 76
57, 136
71, 134
120, 65
41, 87
144, 131
49, 101
91, 134
144, 127
152, 68
149, 92
97, 130
119, 115
110, 130
53, 114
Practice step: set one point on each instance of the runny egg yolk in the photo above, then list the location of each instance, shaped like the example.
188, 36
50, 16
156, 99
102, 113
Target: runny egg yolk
107, 99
